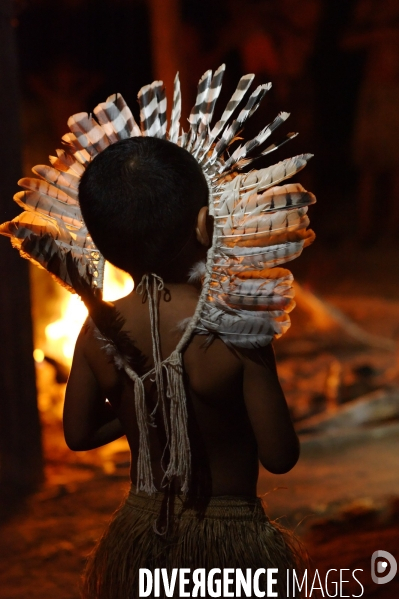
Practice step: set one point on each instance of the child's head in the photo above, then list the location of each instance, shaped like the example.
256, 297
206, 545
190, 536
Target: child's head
140, 199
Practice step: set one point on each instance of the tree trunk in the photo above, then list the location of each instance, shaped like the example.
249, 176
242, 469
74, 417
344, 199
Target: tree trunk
21, 463
168, 48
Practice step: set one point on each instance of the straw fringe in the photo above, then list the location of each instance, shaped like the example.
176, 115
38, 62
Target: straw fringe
231, 532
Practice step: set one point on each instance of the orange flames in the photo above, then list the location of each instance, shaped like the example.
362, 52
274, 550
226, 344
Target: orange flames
61, 334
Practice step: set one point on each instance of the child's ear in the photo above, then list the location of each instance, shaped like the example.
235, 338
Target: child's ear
203, 229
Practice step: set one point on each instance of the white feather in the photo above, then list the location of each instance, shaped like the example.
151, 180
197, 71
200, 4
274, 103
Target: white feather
196, 272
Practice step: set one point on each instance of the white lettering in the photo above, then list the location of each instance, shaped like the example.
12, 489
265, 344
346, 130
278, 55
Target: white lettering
156, 583
214, 591
199, 580
358, 581
334, 583
243, 583
184, 581
304, 582
145, 576
257, 591
341, 581
169, 587
320, 588
230, 583
271, 582
227, 582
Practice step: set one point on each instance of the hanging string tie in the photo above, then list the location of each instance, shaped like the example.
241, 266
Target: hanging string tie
168, 377
149, 287
179, 446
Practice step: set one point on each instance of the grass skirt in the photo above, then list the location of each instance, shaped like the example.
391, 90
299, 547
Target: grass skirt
160, 532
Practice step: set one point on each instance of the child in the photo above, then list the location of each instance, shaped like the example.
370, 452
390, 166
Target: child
145, 202
197, 411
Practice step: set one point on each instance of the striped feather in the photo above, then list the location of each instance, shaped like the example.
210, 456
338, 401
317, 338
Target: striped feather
253, 102
49, 254
256, 330
280, 238
212, 96
258, 257
258, 181
206, 110
275, 198
149, 118
67, 182
67, 163
276, 300
274, 174
113, 121
162, 103
234, 101
90, 135
277, 236
28, 223
242, 151
270, 289
196, 114
79, 153
198, 109
273, 147
45, 188
125, 115
228, 135
273, 303
49, 206
243, 162
262, 225
176, 111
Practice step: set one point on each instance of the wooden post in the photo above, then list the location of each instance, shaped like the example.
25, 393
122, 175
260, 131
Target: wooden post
21, 463
168, 48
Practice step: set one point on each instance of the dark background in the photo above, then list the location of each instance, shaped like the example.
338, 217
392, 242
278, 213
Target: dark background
104, 46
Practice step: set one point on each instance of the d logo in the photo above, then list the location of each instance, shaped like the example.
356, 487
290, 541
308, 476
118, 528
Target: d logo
382, 567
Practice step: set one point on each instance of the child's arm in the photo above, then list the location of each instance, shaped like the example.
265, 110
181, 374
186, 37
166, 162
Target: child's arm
89, 421
278, 444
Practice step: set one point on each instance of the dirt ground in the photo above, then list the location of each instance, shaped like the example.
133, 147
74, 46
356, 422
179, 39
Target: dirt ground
339, 501
44, 545
342, 498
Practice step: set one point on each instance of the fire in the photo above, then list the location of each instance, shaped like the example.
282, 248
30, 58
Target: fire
61, 335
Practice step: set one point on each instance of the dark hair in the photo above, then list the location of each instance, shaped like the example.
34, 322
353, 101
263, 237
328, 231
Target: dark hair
139, 199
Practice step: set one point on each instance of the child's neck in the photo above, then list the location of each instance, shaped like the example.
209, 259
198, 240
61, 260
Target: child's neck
174, 274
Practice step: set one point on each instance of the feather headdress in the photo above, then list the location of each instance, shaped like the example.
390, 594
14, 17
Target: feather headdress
260, 222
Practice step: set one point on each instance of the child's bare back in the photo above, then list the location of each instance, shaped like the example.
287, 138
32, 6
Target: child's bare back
237, 410
197, 413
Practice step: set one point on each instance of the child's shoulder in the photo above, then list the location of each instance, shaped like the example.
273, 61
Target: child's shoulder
90, 353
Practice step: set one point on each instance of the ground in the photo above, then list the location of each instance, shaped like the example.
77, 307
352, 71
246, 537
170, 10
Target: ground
43, 547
